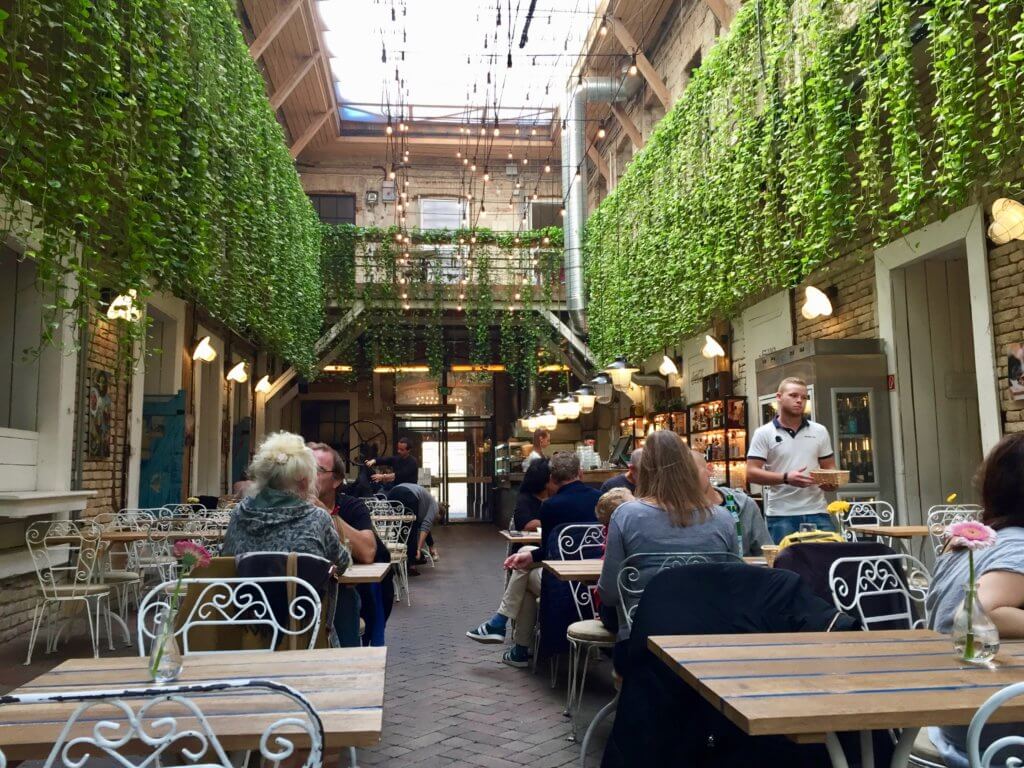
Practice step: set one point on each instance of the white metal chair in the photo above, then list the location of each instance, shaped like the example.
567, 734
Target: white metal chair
941, 516
393, 526
170, 723
66, 555
115, 568
881, 589
880, 513
1007, 741
246, 602
578, 542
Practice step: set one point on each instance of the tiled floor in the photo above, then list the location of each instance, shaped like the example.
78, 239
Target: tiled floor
449, 701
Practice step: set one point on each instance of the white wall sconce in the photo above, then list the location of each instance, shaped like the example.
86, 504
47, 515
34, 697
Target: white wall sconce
125, 307
712, 348
238, 374
204, 351
1007, 221
263, 385
668, 367
817, 303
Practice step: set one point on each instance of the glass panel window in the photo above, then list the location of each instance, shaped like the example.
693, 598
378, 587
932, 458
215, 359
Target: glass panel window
335, 209
20, 331
440, 213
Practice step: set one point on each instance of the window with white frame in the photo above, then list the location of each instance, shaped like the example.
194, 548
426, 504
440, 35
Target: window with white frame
440, 213
20, 332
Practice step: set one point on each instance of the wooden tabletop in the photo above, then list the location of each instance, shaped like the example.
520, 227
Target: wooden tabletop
521, 537
392, 518
344, 685
589, 571
125, 537
369, 573
817, 682
896, 531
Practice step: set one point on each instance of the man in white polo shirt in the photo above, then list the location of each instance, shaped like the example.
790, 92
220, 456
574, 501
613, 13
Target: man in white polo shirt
780, 455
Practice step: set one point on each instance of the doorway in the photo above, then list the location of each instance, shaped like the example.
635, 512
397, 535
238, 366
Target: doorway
935, 318
938, 382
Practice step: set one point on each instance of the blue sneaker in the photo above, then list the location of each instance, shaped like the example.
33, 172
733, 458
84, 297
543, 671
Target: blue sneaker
515, 657
486, 633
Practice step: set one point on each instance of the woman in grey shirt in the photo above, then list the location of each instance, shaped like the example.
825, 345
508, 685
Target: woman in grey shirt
1000, 574
669, 515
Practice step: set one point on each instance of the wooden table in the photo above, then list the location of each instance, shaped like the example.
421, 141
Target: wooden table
588, 571
521, 537
368, 573
344, 685
810, 686
902, 534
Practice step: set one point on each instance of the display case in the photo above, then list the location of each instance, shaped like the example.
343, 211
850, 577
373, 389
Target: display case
635, 426
675, 421
853, 420
718, 429
508, 457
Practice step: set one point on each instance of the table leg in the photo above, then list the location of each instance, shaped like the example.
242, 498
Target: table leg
835, 751
903, 747
867, 750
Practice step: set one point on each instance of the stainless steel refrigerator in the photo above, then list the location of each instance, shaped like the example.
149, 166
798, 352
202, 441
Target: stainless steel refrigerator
848, 386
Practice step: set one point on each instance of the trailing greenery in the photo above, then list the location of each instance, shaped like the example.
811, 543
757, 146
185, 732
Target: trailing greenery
809, 129
139, 134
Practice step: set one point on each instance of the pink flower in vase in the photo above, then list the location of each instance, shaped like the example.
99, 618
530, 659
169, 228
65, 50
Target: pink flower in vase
191, 555
971, 535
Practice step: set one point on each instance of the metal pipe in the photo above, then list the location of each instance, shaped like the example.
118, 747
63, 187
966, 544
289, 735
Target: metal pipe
574, 180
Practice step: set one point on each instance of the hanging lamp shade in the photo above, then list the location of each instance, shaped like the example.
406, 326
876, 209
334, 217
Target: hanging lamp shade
602, 384
621, 373
560, 406
547, 420
586, 397
571, 407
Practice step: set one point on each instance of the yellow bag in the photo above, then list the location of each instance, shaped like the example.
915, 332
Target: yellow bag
811, 537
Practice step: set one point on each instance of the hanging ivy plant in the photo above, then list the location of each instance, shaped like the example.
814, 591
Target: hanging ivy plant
806, 130
139, 151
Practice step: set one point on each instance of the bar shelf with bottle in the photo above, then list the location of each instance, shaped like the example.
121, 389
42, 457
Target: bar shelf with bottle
635, 426
672, 420
718, 429
854, 433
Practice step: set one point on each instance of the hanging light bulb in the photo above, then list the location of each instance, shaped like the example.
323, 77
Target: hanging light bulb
816, 304
388, 129
668, 367
547, 168
632, 65
509, 155
534, 195
604, 27
473, 166
487, 175
391, 175
526, 161
561, 212
465, 161
263, 385
238, 374
712, 348
601, 133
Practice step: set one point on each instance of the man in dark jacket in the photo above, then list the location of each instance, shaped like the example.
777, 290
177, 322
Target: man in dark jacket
404, 467
570, 502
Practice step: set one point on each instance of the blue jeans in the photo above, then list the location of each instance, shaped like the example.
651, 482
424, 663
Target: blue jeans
780, 526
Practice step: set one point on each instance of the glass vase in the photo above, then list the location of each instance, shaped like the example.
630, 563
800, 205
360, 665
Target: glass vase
165, 658
975, 637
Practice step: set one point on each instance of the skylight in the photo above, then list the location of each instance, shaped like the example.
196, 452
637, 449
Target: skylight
449, 58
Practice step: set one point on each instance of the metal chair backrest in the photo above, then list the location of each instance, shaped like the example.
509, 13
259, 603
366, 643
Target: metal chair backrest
879, 513
391, 529
65, 554
170, 722
1009, 737
581, 542
637, 571
881, 589
941, 516
244, 602
184, 510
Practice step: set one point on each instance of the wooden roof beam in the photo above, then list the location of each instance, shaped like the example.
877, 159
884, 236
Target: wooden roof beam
273, 29
722, 12
647, 69
282, 93
602, 166
628, 126
307, 135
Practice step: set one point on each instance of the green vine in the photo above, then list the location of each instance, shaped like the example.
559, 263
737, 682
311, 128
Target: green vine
810, 128
138, 150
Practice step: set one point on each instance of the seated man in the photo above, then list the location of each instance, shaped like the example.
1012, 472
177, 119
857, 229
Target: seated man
570, 501
628, 478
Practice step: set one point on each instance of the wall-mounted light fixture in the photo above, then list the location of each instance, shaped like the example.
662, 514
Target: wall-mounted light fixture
817, 303
668, 366
204, 351
712, 348
238, 374
125, 307
1007, 221
621, 373
263, 385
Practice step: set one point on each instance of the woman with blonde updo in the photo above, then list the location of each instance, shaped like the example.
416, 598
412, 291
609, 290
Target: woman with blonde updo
279, 516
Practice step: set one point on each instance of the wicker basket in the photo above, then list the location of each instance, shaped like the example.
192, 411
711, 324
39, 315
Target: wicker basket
830, 476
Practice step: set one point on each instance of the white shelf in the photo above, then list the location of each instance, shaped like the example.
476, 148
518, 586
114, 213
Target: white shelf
19, 504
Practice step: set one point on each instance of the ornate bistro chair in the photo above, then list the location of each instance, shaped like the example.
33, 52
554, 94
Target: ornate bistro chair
66, 555
1007, 748
941, 516
878, 513
166, 726
887, 590
582, 542
393, 527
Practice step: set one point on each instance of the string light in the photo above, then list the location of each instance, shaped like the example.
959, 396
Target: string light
604, 27
601, 132
526, 160
632, 65
547, 168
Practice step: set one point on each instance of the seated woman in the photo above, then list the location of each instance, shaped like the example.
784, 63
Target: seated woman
532, 492
999, 571
671, 514
281, 514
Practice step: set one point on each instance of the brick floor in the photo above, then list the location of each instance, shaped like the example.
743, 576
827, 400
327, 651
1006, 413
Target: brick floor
448, 701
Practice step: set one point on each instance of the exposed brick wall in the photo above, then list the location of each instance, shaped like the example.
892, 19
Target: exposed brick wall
1006, 273
855, 315
16, 606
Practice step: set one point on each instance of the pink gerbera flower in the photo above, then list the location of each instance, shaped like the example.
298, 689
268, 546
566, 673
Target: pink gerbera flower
971, 535
191, 555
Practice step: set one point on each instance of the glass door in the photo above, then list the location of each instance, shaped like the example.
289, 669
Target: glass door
853, 427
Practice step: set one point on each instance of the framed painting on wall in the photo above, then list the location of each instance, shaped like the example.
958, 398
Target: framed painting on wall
99, 409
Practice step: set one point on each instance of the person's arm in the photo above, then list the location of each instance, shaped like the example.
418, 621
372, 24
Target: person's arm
382, 477
614, 554
756, 473
333, 548
1002, 594
755, 529
361, 542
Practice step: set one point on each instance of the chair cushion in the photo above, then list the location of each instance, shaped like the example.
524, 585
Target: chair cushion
158, 560
81, 590
591, 630
120, 576
924, 752
397, 557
